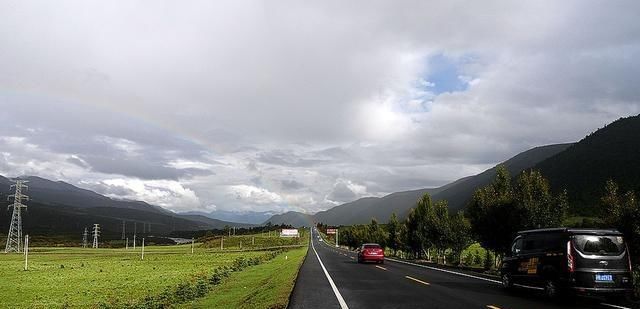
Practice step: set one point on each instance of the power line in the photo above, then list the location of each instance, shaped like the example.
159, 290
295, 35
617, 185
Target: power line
14, 239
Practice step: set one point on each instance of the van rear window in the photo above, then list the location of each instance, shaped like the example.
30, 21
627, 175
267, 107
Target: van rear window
599, 245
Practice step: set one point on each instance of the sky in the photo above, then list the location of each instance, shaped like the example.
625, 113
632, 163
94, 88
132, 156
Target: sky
301, 105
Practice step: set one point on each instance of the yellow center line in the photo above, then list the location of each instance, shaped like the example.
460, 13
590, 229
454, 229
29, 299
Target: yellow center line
492, 307
417, 280
381, 267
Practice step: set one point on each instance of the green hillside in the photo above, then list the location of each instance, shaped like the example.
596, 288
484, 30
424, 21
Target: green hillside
612, 152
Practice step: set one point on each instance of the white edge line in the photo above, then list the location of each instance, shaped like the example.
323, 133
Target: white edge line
444, 270
341, 301
529, 287
614, 306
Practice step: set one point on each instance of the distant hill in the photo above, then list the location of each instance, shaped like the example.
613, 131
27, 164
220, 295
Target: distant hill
612, 152
250, 217
56, 207
293, 218
49, 192
457, 193
362, 210
214, 223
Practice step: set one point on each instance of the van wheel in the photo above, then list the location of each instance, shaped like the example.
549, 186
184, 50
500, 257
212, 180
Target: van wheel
507, 281
551, 289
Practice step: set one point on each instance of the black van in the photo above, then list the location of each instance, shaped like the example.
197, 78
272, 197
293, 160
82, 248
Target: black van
584, 261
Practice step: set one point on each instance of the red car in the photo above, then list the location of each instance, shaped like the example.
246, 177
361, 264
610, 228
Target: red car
370, 252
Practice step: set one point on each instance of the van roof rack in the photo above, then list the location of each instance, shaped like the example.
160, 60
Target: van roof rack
573, 231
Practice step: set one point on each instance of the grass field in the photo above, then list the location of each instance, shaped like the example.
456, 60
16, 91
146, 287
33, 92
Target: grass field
251, 241
81, 278
263, 286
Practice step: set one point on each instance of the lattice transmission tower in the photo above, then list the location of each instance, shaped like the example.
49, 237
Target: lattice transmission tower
14, 239
85, 238
96, 233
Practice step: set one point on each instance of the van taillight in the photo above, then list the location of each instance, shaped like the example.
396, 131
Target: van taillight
570, 261
629, 259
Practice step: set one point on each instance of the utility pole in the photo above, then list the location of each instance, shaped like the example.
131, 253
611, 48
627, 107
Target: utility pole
96, 233
14, 238
135, 230
127, 244
26, 252
336, 237
143, 248
221, 242
85, 239
192, 245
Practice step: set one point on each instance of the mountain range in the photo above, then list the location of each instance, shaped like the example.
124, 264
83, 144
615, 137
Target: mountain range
61, 208
457, 193
250, 217
581, 168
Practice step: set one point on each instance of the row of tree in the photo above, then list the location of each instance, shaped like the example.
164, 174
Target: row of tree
492, 218
498, 211
428, 228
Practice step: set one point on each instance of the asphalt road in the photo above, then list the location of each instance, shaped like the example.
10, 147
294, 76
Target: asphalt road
399, 285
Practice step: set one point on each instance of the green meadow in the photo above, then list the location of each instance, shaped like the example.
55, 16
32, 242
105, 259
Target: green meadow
91, 278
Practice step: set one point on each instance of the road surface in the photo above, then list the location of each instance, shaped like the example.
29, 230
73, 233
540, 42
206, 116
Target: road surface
331, 278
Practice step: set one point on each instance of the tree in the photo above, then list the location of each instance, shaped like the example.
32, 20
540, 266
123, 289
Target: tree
393, 229
460, 237
497, 212
424, 223
538, 208
376, 233
439, 227
623, 213
492, 213
409, 234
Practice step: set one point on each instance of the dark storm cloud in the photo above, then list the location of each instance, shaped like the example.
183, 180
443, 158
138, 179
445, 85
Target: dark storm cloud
302, 101
291, 184
140, 168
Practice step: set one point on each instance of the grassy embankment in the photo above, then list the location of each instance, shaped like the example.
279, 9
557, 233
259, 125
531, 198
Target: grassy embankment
263, 286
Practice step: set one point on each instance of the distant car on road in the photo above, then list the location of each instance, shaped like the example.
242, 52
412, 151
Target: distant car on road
370, 252
583, 261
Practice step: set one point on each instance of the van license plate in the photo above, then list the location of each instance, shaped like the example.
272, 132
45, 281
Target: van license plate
604, 277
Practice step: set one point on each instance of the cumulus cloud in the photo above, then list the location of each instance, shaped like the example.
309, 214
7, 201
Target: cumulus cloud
254, 195
169, 194
345, 190
301, 105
